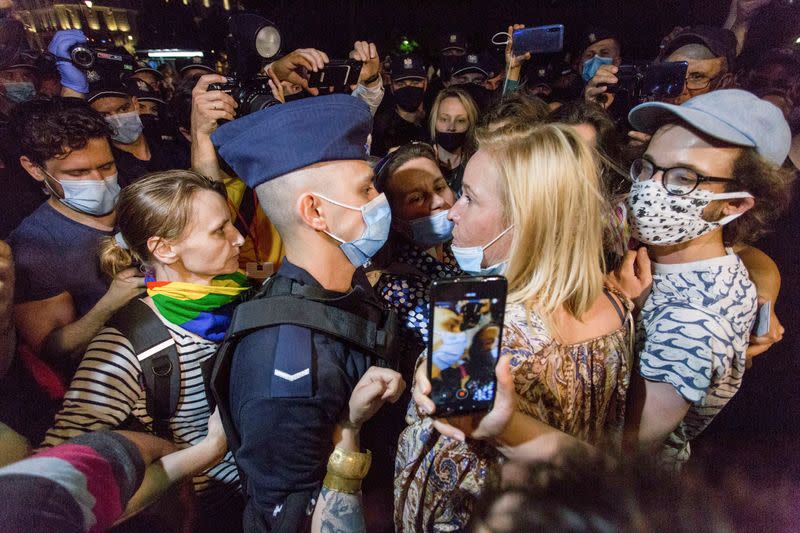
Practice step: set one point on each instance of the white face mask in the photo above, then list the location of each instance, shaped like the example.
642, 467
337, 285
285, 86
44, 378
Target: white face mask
91, 197
469, 258
660, 218
451, 349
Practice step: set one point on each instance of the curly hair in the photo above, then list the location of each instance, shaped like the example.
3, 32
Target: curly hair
771, 187
48, 128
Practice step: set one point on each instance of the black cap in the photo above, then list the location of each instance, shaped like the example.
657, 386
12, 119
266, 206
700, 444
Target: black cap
196, 62
469, 63
151, 70
597, 34
721, 42
141, 90
407, 66
453, 40
103, 88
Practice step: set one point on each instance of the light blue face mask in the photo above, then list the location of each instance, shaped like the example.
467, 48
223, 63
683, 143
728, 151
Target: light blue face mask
377, 217
590, 66
470, 258
91, 197
19, 91
427, 231
127, 127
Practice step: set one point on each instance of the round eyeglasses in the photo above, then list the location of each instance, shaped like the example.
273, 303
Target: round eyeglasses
677, 181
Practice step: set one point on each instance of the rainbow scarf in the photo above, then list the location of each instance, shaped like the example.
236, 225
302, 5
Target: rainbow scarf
205, 310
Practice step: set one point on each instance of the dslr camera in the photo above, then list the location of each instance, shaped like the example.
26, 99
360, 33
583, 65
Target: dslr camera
251, 95
251, 39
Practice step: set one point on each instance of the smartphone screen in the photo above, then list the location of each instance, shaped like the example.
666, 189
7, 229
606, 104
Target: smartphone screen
466, 318
665, 80
539, 40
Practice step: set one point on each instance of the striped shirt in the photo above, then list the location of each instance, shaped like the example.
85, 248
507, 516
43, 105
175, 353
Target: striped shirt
107, 389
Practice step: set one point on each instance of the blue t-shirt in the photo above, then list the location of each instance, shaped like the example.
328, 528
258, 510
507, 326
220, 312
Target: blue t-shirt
693, 333
54, 254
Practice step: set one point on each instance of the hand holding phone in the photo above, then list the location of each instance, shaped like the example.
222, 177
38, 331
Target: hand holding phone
539, 40
338, 73
466, 324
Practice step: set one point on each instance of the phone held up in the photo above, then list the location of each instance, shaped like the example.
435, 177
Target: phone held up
338, 73
466, 325
539, 40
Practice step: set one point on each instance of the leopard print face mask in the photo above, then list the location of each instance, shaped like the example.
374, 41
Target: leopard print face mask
660, 218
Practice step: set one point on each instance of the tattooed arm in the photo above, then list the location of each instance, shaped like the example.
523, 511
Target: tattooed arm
341, 512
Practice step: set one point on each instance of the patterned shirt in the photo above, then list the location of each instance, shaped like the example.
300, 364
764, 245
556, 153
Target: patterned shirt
405, 287
692, 334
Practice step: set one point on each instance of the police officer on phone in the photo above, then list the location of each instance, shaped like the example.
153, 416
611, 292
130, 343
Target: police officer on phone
293, 355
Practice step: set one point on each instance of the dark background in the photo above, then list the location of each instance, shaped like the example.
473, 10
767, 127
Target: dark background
334, 25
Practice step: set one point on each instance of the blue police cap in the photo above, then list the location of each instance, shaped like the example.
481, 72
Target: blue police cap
281, 139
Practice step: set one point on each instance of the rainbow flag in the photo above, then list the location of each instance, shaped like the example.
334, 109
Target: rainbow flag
205, 310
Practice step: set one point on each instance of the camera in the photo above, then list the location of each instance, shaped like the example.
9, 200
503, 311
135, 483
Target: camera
251, 95
88, 57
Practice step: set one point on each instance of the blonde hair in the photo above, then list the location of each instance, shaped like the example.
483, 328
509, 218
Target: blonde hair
551, 191
158, 205
472, 115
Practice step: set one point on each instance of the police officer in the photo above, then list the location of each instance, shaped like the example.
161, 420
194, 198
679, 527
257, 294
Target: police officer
406, 120
289, 384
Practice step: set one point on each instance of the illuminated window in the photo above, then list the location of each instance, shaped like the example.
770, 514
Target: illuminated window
226, 4
206, 3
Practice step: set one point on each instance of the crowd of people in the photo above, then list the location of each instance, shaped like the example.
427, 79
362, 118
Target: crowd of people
218, 319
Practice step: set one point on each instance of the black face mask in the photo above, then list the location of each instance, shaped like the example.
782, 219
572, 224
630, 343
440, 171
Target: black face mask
152, 126
451, 141
409, 98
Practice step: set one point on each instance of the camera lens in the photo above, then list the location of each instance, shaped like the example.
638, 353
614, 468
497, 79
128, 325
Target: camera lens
256, 102
82, 57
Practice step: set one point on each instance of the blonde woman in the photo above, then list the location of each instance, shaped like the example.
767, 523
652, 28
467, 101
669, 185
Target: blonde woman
453, 118
532, 208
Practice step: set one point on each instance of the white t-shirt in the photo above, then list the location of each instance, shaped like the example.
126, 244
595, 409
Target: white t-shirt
692, 333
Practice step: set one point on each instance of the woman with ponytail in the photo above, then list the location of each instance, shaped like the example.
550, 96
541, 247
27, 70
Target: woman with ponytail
176, 227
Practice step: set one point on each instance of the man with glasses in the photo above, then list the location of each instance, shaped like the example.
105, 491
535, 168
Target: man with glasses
711, 179
711, 54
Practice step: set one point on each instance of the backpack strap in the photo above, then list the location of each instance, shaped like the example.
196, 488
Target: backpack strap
155, 350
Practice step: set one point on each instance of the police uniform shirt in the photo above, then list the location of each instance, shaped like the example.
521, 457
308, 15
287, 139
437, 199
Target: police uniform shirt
289, 387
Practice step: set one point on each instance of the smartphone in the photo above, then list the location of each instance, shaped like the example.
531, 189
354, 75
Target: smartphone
538, 40
646, 81
762, 323
338, 73
466, 332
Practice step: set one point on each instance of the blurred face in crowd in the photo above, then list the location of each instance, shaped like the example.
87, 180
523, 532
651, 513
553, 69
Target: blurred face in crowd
409, 82
92, 162
478, 78
210, 244
702, 75
115, 105
147, 107
478, 215
17, 85
148, 77
354, 187
417, 189
603, 48
452, 116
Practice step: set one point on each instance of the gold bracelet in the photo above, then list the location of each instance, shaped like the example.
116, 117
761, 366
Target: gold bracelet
341, 484
350, 465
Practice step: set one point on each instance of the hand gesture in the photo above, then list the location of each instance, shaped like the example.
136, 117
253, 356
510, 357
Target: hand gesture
759, 345
208, 107
71, 76
289, 67
633, 277
367, 53
598, 85
515, 61
125, 286
377, 386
